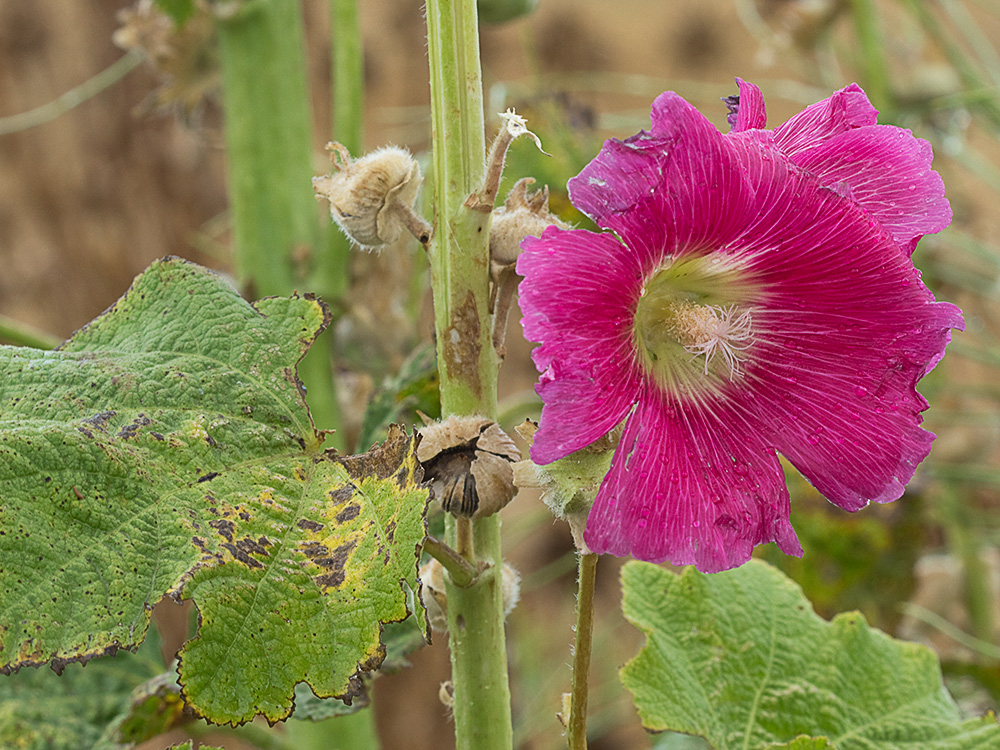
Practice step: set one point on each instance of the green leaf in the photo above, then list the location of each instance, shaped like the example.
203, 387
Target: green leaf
167, 449
40, 710
805, 743
156, 707
310, 708
414, 387
740, 659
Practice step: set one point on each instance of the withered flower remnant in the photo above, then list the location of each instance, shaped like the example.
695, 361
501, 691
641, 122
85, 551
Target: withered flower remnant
372, 199
468, 464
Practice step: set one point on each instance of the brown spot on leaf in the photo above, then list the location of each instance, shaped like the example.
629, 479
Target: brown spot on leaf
100, 420
208, 477
224, 527
337, 563
314, 550
308, 525
348, 513
240, 555
384, 460
129, 430
342, 494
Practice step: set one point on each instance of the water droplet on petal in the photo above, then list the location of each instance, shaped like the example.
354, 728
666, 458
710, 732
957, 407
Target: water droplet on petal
860, 390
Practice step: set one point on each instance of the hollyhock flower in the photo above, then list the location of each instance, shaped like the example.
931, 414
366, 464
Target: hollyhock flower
753, 295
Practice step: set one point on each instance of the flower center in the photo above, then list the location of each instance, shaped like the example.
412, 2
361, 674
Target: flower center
690, 327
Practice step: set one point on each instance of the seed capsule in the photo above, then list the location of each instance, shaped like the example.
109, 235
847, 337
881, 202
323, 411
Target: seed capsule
467, 461
372, 199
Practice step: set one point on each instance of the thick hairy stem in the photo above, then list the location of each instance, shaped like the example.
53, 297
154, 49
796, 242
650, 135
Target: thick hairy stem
467, 364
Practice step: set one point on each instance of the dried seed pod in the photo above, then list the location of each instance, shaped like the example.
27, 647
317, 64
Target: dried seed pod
467, 461
523, 215
433, 596
432, 593
511, 585
371, 199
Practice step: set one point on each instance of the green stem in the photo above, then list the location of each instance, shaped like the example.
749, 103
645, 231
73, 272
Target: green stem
72, 98
21, 334
576, 732
269, 144
478, 651
348, 75
461, 570
963, 540
331, 273
873, 60
269, 147
467, 363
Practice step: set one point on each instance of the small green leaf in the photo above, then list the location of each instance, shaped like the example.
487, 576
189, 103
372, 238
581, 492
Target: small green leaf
167, 449
156, 707
310, 708
740, 659
413, 388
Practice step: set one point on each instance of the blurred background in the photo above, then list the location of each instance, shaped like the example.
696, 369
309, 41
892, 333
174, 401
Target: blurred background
96, 183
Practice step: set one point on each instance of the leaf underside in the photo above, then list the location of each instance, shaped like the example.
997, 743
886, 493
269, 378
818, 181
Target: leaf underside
166, 449
740, 659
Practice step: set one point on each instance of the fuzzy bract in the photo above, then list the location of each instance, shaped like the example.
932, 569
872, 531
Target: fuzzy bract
753, 295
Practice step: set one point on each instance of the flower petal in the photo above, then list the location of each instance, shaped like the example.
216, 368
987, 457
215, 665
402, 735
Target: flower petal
889, 172
674, 189
845, 331
578, 298
693, 486
747, 111
847, 109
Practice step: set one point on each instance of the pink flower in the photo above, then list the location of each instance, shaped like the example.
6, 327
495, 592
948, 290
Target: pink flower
754, 296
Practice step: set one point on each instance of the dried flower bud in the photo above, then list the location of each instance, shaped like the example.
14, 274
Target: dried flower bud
523, 215
433, 596
446, 694
183, 55
432, 593
467, 461
372, 199
511, 584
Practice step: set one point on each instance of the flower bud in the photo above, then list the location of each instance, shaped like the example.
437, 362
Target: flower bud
372, 199
570, 484
467, 461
